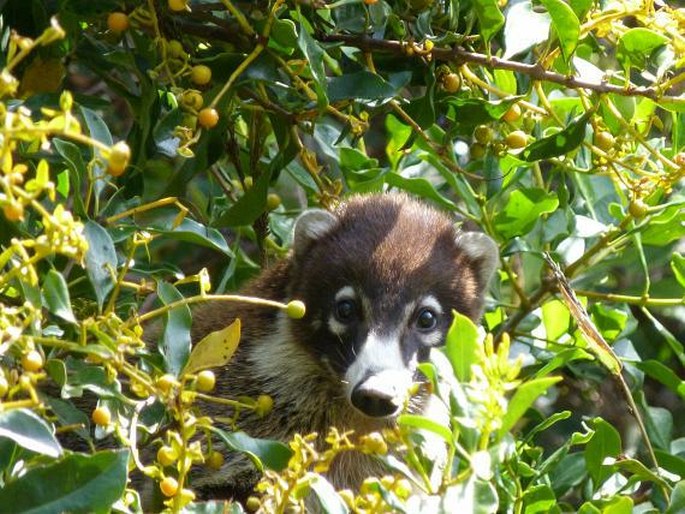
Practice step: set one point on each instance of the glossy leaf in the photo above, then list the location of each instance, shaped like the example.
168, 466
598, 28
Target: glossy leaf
490, 17
560, 143
215, 349
523, 210
56, 295
76, 483
462, 346
566, 26
101, 260
29, 431
263, 453
606, 442
636, 45
175, 341
523, 398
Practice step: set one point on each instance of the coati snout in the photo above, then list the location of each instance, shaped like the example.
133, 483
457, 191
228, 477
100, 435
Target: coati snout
380, 277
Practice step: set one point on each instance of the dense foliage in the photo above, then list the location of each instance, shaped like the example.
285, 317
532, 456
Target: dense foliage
155, 155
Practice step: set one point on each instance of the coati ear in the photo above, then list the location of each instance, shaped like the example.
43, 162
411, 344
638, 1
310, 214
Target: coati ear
310, 226
482, 250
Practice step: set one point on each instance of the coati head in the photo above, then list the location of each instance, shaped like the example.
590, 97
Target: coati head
380, 278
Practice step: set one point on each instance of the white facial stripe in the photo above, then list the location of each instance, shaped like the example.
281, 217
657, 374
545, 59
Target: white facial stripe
345, 293
378, 354
431, 302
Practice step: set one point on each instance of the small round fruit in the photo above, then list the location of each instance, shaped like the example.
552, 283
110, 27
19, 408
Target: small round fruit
192, 99
117, 22
175, 49
119, 155
166, 456
4, 386
295, 309
178, 5
604, 140
13, 211
208, 117
679, 159
253, 504
477, 151
264, 405
370, 2
513, 114
516, 139
205, 381
101, 416
169, 486
451, 82
273, 201
201, 74
483, 134
32, 361
214, 460
638, 208
166, 382
249, 182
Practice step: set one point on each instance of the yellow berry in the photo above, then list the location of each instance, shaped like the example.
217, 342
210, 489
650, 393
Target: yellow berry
264, 405
253, 504
249, 182
169, 486
166, 382
178, 5
296, 309
679, 159
604, 140
192, 99
370, 2
483, 134
117, 22
516, 139
513, 114
13, 211
477, 151
273, 201
402, 488
208, 117
32, 361
119, 156
101, 416
205, 381
201, 74
638, 208
451, 82
166, 456
373, 443
214, 460
175, 49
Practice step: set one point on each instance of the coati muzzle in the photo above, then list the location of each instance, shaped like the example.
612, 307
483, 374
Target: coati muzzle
380, 395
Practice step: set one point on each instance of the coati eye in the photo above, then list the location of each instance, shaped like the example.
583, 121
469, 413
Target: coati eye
345, 310
427, 319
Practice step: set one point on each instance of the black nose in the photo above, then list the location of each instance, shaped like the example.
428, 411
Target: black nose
372, 402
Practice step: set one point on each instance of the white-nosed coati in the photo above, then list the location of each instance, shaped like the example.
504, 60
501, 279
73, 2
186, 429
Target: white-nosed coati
380, 277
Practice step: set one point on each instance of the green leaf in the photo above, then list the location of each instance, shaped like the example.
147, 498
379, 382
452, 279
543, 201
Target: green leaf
76, 483
677, 503
610, 322
363, 86
539, 499
175, 342
249, 206
525, 28
263, 452
423, 423
665, 227
461, 346
565, 24
330, 501
639, 470
29, 431
678, 267
523, 209
523, 398
283, 36
636, 46
420, 187
101, 260
78, 173
606, 442
56, 294
556, 318
314, 55
215, 349
560, 143
490, 17
581, 7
